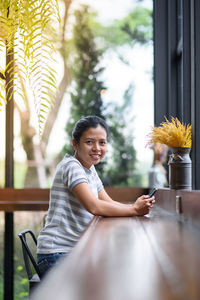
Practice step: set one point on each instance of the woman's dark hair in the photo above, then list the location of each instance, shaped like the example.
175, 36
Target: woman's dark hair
85, 123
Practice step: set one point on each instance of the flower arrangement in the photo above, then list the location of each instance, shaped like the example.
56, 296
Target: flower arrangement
172, 134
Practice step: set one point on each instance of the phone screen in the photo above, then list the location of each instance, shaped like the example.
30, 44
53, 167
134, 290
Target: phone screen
152, 192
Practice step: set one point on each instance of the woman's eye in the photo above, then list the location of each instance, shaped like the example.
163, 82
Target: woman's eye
103, 143
89, 142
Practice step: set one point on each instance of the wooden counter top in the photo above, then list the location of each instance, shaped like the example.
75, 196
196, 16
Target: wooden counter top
154, 257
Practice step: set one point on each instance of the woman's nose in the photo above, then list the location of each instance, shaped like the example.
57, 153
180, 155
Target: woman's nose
96, 146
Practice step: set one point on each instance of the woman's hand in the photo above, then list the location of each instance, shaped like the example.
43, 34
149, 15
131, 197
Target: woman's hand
109, 208
143, 205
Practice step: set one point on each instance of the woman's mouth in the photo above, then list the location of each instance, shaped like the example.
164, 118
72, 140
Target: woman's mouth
95, 156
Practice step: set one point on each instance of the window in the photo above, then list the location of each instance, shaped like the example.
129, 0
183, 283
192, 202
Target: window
176, 68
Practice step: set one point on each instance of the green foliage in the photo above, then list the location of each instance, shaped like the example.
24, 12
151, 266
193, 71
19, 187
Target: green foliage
22, 295
136, 27
21, 284
23, 220
19, 268
120, 171
2, 173
27, 33
85, 95
1, 286
19, 174
24, 281
86, 99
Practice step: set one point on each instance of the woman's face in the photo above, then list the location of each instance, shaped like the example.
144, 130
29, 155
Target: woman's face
92, 146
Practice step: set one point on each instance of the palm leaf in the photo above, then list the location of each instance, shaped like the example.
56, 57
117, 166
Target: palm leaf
27, 29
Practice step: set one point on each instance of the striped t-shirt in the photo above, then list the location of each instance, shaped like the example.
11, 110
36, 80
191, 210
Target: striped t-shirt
66, 217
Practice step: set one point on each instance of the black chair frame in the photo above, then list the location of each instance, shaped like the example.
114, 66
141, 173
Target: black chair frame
29, 257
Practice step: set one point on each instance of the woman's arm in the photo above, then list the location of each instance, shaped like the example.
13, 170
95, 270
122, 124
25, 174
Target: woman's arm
104, 196
108, 207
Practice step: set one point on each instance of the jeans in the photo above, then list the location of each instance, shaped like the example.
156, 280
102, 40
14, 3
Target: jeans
47, 261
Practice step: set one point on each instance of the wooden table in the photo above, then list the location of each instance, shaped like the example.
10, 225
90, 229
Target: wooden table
155, 257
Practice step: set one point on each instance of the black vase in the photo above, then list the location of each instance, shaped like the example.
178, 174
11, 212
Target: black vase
180, 168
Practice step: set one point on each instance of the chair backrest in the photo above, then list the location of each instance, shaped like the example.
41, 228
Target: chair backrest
28, 257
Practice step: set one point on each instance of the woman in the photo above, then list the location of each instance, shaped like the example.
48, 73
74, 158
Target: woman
77, 194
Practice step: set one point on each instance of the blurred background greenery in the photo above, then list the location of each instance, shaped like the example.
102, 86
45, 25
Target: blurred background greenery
105, 62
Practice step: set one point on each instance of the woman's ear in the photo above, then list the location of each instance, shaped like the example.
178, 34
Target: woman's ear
74, 144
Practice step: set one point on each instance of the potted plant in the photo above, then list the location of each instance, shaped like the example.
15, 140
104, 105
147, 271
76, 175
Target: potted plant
178, 137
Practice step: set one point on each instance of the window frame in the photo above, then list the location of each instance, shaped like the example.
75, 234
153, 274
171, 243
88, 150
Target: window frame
177, 68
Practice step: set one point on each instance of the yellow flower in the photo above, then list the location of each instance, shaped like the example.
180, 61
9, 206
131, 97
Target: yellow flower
103, 91
172, 134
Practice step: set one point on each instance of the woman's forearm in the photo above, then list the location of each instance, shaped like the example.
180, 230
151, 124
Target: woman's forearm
114, 208
140, 207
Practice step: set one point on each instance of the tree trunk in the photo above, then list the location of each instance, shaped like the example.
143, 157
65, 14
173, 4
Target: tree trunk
35, 175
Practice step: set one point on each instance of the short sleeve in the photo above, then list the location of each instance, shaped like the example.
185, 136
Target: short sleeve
73, 174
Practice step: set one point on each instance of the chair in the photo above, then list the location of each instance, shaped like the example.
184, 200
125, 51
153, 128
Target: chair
34, 276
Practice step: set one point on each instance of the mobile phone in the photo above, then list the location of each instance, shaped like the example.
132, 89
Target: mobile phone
152, 192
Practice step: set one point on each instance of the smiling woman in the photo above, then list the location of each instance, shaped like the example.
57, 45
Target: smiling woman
77, 194
91, 148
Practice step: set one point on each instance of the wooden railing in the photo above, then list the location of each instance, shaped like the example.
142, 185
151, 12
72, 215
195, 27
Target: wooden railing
115, 255
32, 199
23, 199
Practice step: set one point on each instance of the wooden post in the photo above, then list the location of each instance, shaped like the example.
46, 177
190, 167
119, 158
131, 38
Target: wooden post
9, 182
